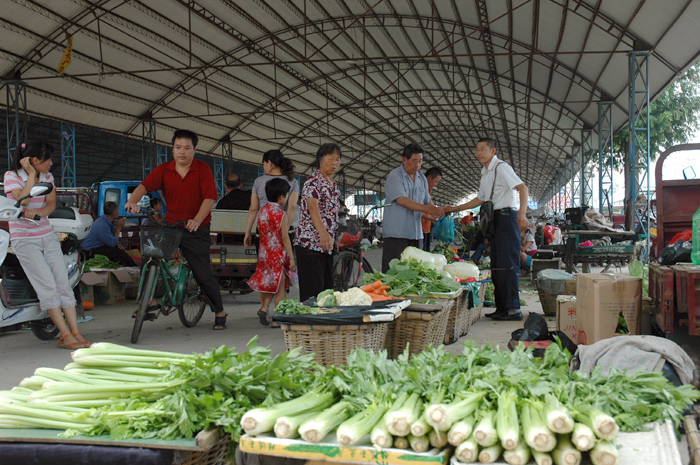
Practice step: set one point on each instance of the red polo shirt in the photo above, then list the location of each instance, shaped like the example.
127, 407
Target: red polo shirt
183, 196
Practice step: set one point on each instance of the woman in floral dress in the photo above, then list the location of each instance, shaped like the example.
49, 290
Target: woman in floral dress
275, 257
318, 224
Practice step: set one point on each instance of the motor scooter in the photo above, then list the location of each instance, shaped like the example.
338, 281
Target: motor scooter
18, 300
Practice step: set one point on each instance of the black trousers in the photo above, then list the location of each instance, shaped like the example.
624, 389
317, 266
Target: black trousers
427, 240
115, 254
195, 248
505, 260
393, 246
315, 270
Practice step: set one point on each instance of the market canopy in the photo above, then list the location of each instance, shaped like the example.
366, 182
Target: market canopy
370, 75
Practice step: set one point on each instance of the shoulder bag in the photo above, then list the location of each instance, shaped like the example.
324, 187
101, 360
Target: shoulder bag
488, 227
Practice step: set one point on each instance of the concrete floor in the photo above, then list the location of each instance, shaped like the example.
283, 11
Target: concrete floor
22, 353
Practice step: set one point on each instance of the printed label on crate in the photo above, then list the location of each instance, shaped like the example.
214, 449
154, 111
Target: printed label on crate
333, 452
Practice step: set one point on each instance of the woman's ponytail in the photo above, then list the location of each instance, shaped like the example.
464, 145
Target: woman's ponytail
287, 168
278, 160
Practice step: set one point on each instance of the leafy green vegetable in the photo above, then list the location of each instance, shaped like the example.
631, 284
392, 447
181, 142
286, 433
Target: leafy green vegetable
412, 277
100, 261
293, 307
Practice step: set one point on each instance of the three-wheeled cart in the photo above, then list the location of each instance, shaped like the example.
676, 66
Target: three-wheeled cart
618, 252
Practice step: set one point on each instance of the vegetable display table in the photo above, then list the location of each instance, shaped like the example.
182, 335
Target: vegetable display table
42, 446
655, 447
332, 451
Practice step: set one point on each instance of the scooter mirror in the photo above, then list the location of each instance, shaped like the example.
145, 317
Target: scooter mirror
41, 188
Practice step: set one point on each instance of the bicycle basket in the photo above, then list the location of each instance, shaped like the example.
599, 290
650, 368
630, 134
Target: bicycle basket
160, 242
347, 240
354, 226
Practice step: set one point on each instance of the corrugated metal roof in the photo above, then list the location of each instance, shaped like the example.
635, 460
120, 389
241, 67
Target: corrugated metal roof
372, 76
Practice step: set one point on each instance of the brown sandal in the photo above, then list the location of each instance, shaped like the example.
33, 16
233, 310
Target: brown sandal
71, 346
84, 343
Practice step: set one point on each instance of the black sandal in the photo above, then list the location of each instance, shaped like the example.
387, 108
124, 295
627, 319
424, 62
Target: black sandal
219, 321
263, 317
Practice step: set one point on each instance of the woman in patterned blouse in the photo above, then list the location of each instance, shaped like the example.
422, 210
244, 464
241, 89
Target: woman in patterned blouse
318, 224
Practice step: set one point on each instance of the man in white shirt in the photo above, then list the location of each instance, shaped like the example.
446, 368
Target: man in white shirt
505, 250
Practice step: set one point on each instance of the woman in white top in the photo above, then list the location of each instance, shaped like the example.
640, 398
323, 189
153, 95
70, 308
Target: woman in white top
37, 246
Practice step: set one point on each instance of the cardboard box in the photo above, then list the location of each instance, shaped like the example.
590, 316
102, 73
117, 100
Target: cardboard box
566, 316
86, 293
108, 285
601, 298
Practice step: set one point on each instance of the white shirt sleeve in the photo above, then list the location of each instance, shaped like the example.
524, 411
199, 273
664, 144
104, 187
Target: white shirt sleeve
507, 175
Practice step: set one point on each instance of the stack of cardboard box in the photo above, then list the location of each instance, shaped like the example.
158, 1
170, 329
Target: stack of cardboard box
593, 314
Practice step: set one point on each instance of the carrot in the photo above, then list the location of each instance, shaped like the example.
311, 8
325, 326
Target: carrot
383, 288
378, 298
368, 288
377, 284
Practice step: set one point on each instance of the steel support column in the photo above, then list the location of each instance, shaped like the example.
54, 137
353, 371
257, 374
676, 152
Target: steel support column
639, 140
161, 154
227, 154
605, 159
149, 156
567, 187
576, 173
557, 182
16, 116
68, 155
343, 187
586, 167
219, 176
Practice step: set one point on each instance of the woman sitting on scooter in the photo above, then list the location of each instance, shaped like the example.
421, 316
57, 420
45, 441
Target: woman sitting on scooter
37, 246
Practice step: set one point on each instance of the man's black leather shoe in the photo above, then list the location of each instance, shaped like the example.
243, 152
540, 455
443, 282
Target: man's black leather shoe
496, 313
516, 316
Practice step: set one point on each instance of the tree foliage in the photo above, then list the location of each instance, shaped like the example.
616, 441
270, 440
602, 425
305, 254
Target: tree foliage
673, 117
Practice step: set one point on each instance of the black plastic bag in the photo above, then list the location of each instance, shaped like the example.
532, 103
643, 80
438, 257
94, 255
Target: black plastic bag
535, 329
676, 253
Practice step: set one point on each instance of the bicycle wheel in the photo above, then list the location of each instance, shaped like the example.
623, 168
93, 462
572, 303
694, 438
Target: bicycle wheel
366, 267
145, 298
191, 308
347, 271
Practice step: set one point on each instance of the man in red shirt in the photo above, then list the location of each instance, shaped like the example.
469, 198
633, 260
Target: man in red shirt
467, 220
189, 192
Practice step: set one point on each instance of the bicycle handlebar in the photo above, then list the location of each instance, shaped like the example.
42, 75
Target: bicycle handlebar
151, 215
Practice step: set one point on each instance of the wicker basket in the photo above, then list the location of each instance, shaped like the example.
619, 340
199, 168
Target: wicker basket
333, 343
458, 321
418, 330
214, 456
475, 312
570, 287
549, 302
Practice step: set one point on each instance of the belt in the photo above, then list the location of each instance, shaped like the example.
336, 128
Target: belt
504, 211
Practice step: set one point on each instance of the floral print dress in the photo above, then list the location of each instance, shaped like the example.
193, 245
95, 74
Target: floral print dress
272, 257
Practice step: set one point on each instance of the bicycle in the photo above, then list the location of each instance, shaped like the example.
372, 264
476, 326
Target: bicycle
350, 264
180, 290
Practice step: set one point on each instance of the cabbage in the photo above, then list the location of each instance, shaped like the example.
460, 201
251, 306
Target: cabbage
440, 261
426, 258
463, 270
326, 299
